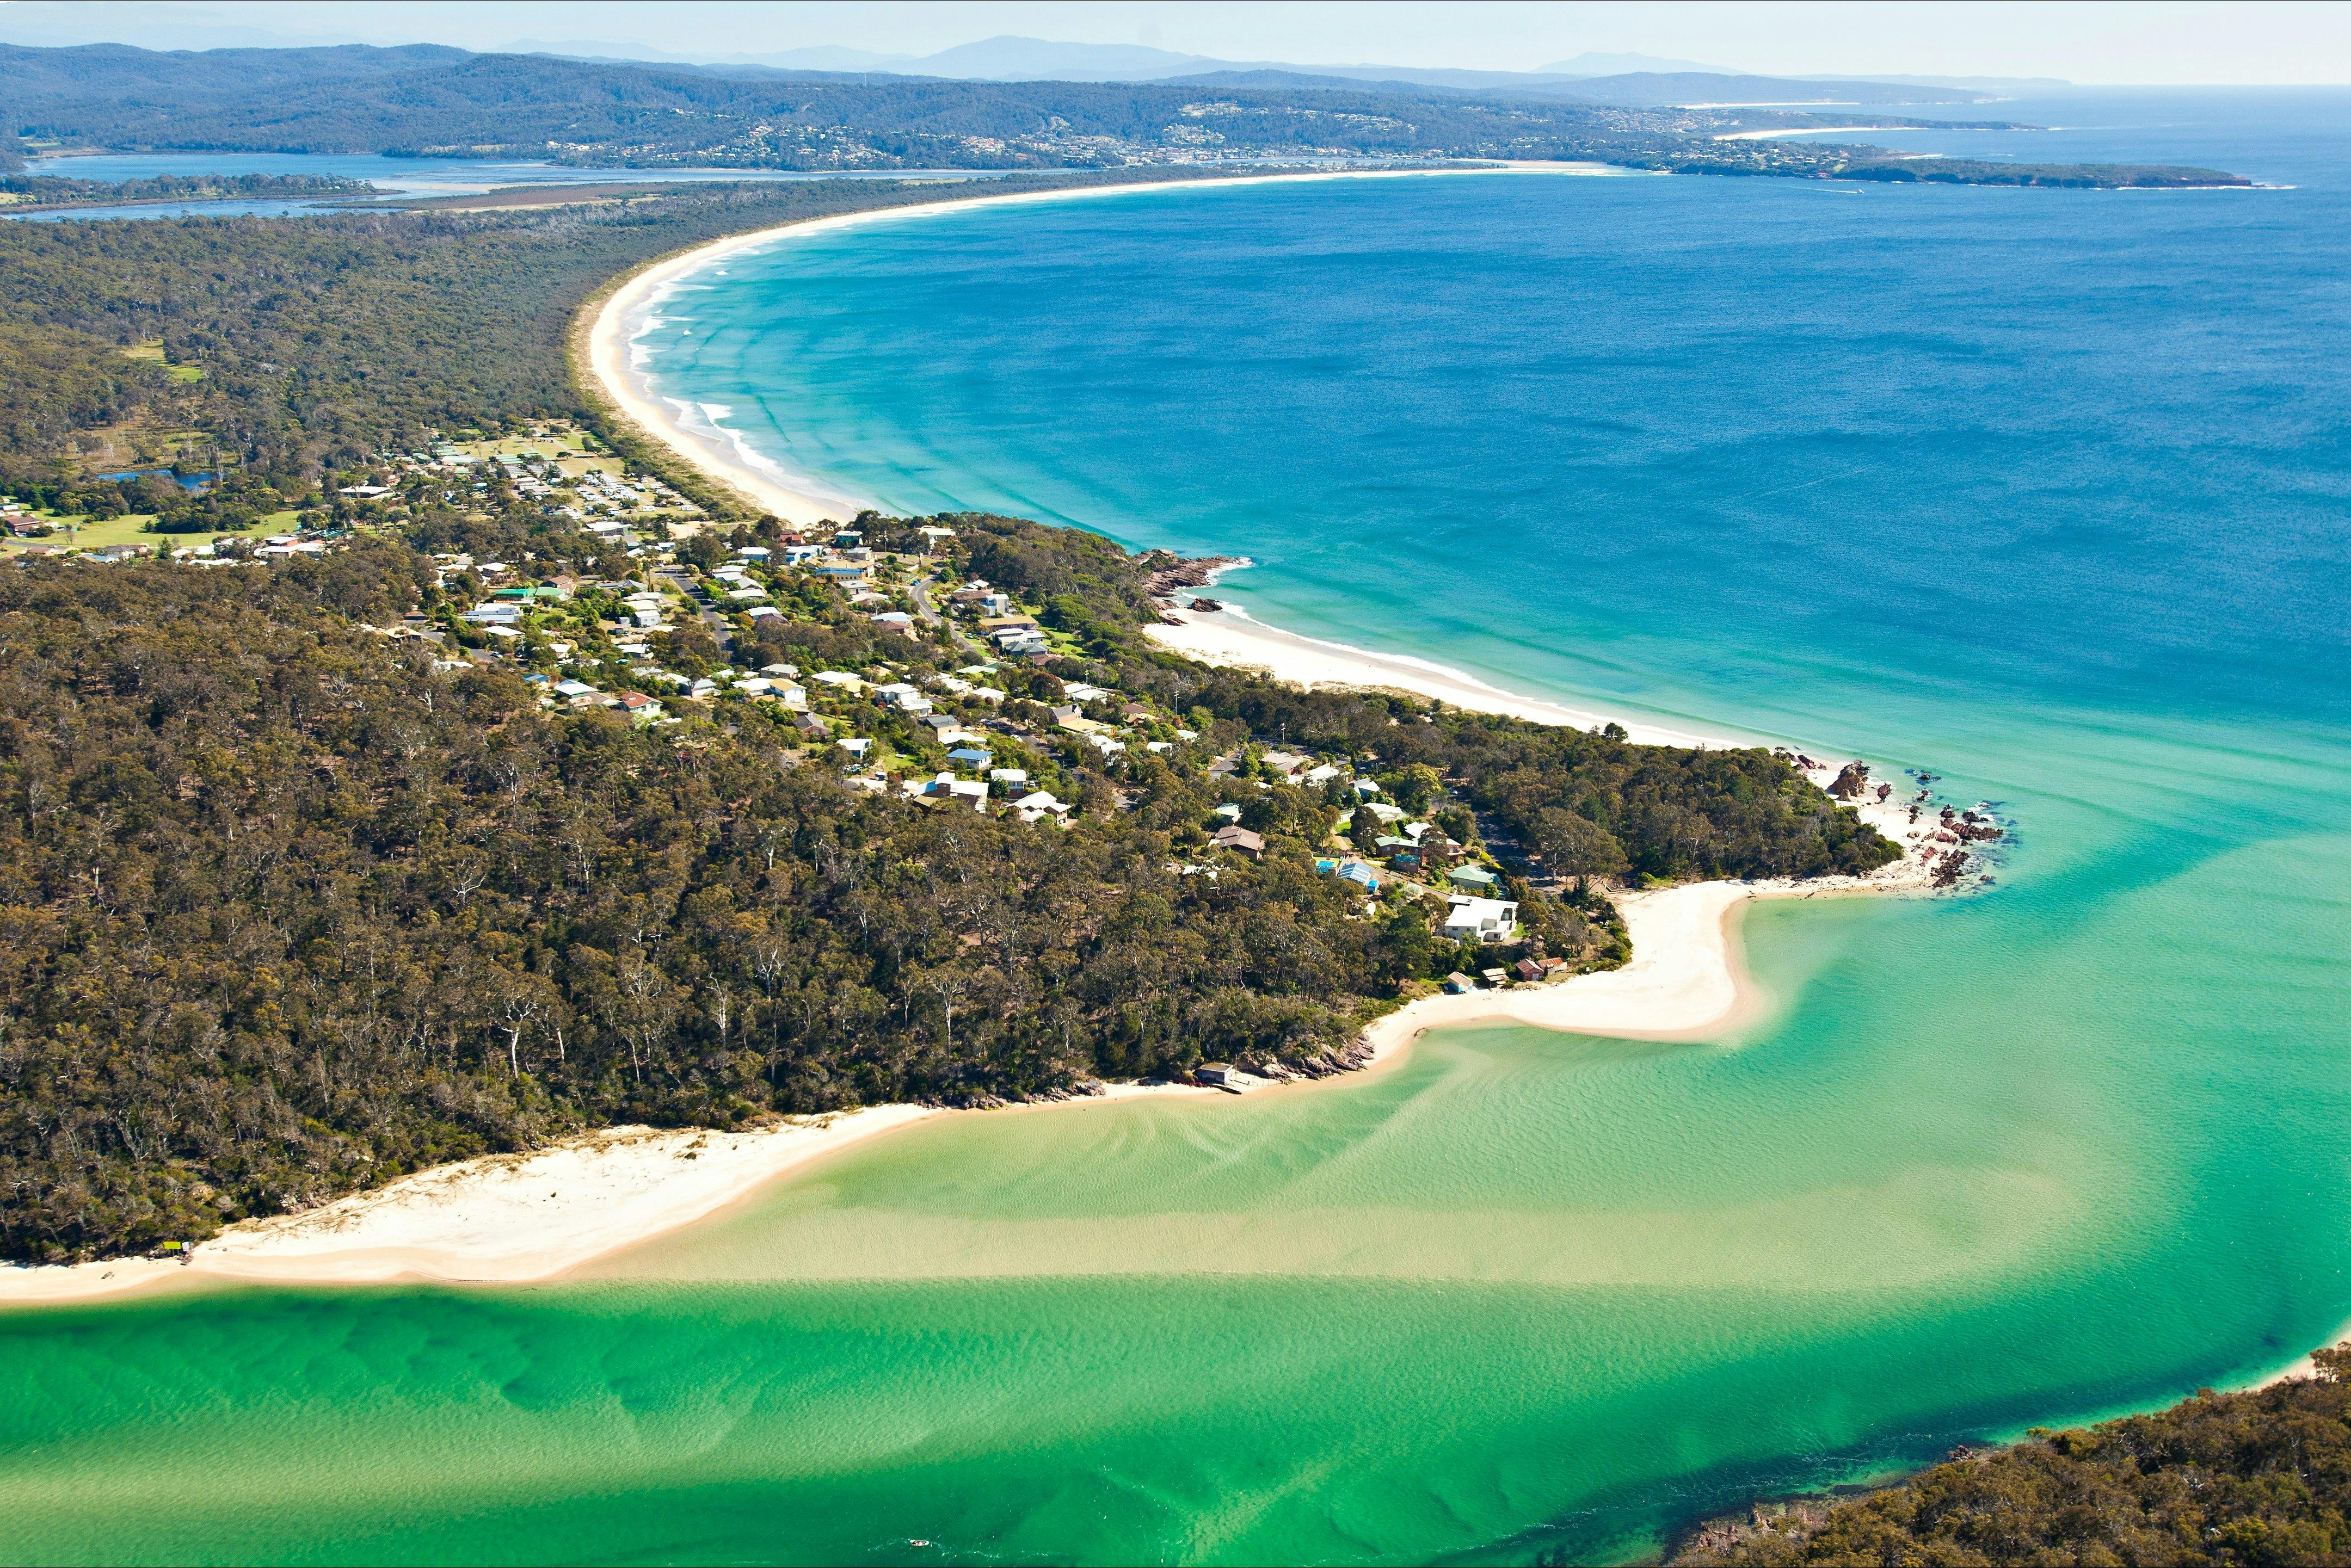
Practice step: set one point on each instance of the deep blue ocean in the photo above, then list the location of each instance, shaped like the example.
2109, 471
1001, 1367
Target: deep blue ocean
2044, 490
1684, 442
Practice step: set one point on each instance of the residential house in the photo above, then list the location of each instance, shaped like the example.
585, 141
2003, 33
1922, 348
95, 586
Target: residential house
950, 790
640, 707
1473, 876
1232, 835
1038, 803
1480, 919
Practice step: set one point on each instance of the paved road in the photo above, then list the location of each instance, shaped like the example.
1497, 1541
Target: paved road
682, 581
919, 591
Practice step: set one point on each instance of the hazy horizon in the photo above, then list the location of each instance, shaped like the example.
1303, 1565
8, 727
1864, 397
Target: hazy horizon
2114, 44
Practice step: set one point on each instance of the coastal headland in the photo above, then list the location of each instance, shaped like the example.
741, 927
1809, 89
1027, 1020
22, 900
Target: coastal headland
511, 1219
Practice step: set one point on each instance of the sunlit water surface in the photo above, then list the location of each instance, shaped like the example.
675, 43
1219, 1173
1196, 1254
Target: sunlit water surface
2045, 491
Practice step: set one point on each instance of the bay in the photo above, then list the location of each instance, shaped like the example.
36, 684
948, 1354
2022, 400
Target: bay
2043, 491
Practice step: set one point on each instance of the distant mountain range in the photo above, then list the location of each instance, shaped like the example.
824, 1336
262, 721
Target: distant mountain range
1659, 79
1641, 80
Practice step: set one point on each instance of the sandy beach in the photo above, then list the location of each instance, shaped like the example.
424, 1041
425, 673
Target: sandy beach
803, 499
524, 1218
512, 1218
1230, 638
499, 1220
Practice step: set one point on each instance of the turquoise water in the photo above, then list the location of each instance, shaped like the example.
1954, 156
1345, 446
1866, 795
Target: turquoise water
2044, 490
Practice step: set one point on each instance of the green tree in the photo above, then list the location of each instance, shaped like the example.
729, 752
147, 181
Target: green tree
1573, 845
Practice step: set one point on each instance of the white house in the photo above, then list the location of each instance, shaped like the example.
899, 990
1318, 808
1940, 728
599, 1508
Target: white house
1480, 919
1039, 803
898, 694
954, 791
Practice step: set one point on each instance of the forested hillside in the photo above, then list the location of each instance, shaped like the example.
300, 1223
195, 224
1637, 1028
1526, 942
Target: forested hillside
431, 101
2256, 1480
292, 906
289, 910
323, 339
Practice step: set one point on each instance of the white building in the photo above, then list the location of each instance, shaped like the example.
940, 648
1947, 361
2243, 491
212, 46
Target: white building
1474, 919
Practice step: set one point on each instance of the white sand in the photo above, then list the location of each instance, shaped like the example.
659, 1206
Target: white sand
703, 440
519, 1218
1229, 637
499, 1219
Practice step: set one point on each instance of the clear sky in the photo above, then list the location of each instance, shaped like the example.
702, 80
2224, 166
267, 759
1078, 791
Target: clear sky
2124, 42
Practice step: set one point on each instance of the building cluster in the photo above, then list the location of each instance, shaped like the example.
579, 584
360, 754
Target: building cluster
1007, 732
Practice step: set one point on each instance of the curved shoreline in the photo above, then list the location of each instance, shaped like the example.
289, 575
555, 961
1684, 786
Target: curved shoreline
526, 1218
522, 1218
802, 500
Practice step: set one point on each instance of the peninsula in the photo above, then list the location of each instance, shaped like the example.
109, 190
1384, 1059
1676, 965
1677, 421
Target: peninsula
707, 817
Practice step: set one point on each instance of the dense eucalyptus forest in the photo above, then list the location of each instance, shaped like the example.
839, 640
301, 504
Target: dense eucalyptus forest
294, 907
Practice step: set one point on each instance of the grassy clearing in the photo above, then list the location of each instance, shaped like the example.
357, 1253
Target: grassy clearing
101, 534
152, 352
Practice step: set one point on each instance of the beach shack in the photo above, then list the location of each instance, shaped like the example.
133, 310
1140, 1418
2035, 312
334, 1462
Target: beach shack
1217, 1075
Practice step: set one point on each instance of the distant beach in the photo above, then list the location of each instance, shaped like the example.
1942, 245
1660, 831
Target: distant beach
703, 441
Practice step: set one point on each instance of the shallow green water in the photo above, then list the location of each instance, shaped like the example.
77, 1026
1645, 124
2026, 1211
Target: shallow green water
2049, 495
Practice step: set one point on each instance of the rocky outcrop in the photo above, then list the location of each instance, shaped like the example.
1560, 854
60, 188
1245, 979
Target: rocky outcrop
1170, 573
